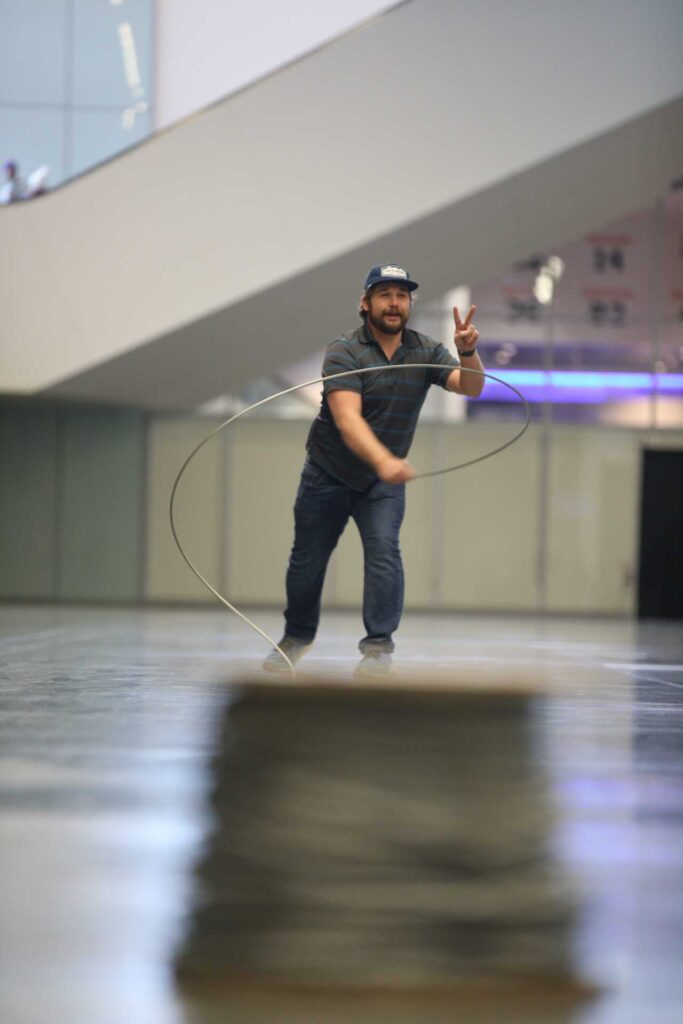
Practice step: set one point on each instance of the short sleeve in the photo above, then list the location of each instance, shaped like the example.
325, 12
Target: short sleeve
446, 363
340, 359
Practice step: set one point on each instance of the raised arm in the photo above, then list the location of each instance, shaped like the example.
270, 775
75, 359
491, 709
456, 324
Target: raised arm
361, 439
466, 337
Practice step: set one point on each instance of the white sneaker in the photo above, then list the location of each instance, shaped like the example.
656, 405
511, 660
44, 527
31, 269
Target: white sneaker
373, 663
294, 649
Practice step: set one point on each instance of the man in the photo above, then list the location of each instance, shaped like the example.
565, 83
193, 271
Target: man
356, 464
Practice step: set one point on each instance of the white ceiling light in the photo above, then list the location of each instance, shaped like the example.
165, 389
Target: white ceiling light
544, 285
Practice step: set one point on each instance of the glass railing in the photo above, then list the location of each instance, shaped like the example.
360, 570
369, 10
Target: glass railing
76, 86
79, 78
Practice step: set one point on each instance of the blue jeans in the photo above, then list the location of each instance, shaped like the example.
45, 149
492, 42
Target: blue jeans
321, 511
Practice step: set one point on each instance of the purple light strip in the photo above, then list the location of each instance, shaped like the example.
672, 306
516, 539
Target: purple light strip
579, 387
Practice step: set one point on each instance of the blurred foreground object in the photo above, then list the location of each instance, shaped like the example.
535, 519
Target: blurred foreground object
380, 852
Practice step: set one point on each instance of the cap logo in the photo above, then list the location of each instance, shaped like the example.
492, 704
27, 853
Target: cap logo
392, 271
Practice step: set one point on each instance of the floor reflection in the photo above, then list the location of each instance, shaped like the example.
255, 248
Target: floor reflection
109, 721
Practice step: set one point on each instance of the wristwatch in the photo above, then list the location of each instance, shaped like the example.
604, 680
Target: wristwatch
469, 353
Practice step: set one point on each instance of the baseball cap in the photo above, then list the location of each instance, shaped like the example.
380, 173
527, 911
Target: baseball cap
389, 272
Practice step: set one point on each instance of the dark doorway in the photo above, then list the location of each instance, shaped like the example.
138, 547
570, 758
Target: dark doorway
660, 580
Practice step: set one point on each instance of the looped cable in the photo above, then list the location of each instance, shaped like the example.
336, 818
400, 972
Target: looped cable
299, 387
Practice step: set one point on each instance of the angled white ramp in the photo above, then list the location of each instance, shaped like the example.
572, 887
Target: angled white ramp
452, 137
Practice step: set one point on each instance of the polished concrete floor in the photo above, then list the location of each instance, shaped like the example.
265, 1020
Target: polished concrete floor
109, 719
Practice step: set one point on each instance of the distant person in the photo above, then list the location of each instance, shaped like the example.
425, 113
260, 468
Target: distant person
13, 189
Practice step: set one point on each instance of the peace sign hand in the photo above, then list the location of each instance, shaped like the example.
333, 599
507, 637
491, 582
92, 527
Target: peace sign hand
466, 334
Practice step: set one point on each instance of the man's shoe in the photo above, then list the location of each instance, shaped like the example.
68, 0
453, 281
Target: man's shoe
373, 663
294, 649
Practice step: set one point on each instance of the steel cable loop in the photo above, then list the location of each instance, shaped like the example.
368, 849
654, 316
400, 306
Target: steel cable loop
299, 387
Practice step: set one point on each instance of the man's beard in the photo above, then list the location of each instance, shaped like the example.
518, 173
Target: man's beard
388, 327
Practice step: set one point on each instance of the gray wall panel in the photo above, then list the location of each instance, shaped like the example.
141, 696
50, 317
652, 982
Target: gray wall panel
73, 510
28, 444
264, 471
491, 515
198, 513
592, 553
101, 551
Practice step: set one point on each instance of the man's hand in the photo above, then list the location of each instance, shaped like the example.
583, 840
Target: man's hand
395, 471
466, 334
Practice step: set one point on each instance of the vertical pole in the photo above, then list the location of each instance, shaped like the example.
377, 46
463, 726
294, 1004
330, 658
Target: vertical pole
656, 309
544, 467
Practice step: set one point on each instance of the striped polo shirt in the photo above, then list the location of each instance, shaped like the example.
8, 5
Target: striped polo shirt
391, 401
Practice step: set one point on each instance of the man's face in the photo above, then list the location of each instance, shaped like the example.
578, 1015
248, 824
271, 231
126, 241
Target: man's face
388, 307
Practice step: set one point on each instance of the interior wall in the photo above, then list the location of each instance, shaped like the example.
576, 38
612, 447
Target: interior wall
28, 502
265, 459
199, 510
72, 501
594, 496
213, 236
101, 476
210, 48
84, 513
